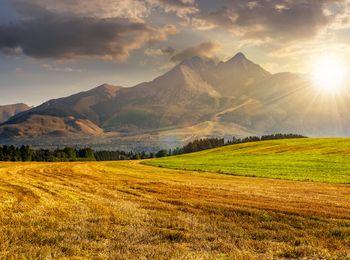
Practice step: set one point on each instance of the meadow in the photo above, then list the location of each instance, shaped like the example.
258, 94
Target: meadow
321, 160
127, 210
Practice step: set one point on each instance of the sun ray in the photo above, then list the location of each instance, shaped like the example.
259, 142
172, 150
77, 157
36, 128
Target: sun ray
329, 73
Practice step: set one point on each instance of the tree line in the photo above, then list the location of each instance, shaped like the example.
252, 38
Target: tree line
209, 143
26, 153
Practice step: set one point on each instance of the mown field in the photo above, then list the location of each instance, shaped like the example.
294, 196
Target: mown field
322, 160
126, 210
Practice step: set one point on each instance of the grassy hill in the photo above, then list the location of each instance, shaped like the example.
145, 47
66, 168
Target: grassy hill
322, 160
125, 210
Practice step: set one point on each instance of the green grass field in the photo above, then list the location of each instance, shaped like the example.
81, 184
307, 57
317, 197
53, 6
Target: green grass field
321, 160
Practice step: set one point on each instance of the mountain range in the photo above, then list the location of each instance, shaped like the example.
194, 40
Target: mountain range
197, 98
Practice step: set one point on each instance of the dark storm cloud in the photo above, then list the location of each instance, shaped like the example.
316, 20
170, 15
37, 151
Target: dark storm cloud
111, 29
205, 49
45, 34
274, 19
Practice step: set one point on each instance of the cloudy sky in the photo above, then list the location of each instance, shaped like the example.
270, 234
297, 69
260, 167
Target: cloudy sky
51, 48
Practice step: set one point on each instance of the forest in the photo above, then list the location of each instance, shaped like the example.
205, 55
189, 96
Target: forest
27, 154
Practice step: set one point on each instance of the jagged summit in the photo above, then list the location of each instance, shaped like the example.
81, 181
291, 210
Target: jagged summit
239, 55
192, 59
182, 82
238, 58
202, 62
196, 62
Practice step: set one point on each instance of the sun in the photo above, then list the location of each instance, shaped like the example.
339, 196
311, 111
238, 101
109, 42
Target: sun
329, 73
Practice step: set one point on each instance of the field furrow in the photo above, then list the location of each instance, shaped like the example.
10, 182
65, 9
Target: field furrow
130, 210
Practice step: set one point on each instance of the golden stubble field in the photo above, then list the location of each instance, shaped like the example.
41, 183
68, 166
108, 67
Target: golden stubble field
128, 210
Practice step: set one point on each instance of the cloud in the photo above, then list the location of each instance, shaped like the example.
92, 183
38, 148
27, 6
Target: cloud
181, 8
112, 29
205, 49
46, 34
132, 9
283, 20
54, 68
153, 52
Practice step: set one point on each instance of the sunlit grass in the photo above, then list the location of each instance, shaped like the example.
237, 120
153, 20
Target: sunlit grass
132, 211
323, 160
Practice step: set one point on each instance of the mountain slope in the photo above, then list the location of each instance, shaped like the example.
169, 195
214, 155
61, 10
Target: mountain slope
179, 97
287, 102
236, 97
45, 126
233, 76
72, 117
8, 111
80, 105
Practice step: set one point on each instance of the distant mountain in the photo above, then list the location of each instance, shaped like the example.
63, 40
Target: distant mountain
38, 126
228, 78
197, 98
235, 75
287, 102
73, 116
79, 105
8, 111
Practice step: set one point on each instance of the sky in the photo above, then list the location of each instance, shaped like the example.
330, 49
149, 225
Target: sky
50, 48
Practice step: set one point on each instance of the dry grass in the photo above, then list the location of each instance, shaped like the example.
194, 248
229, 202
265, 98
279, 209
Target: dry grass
127, 210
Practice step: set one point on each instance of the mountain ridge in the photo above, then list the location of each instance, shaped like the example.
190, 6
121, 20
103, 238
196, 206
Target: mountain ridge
237, 94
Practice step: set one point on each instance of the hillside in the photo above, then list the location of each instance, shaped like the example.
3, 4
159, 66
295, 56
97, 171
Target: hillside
179, 97
70, 117
80, 105
8, 111
321, 160
45, 126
